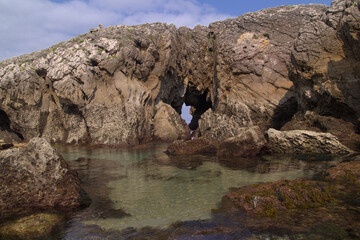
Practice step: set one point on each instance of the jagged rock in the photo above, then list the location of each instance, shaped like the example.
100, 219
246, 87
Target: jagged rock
168, 125
249, 142
302, 141
36, 177
103, 87
251, 82
325, 65
195, 146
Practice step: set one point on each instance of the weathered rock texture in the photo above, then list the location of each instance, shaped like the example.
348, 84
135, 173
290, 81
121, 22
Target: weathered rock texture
326, 69
260, 69
36, 177
248, 143
195, 146
302, 141
268, 199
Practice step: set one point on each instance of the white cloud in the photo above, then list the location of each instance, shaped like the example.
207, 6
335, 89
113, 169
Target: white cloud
27, 26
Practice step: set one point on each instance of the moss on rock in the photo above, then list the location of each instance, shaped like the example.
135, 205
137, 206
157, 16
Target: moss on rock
34, 226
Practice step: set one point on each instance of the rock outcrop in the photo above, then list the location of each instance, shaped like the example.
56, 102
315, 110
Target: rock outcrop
325, 70
168, 125
263, 69
35, 177
302, 141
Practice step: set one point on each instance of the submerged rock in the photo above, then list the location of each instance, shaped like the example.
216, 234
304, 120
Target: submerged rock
249, 142
268, 199
302, 141
195, 146
36, 177
346, 171
35, 226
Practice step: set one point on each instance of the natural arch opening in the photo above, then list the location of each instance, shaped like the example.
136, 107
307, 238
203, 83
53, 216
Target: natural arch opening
200, 102
185, 113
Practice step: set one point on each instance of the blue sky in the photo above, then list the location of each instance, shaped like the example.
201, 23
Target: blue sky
31, 25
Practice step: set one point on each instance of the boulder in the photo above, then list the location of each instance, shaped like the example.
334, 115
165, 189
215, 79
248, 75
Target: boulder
168, 125
302, 141
35, 177
195, 146
249, 142
340, 128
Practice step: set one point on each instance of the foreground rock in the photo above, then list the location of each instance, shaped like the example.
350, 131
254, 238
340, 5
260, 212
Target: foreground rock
35, 226
269, 199
36, 177
249, 142
195, 146
315, 207
301, 141
346, 171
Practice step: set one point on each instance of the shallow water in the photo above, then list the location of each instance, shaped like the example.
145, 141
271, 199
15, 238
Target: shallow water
143, 187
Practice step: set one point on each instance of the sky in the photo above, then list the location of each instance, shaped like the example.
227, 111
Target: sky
30, 25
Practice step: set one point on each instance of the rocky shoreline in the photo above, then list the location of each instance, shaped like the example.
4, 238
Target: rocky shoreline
281, 80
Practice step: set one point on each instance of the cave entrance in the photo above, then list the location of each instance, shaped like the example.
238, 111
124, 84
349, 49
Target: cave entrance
199, 103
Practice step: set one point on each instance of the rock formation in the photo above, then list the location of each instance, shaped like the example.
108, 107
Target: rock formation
35, 177
302, 141
115, 85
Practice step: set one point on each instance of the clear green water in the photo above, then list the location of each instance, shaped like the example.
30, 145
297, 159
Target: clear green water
139, 187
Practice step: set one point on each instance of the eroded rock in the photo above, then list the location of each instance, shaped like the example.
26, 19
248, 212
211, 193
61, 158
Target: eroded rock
36, 177
195, 146
168, 125
268, 199
346, 171
302, 141
249, 142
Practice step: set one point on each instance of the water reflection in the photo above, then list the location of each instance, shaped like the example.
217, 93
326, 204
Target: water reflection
143, 187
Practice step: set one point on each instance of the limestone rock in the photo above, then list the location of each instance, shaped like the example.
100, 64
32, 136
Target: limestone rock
302, 141
190, 147
168, 125
340, 128
259, 69
325, 64
248, 143
36, 177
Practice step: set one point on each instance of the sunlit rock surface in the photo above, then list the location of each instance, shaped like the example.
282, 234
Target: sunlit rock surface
260, 69
35, 177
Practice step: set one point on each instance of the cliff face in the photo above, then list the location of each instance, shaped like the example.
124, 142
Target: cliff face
126, 84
